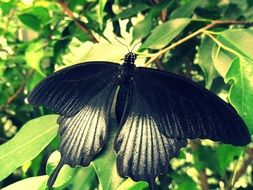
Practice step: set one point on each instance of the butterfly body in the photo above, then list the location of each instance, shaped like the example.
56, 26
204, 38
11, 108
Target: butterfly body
157, 112
127, 69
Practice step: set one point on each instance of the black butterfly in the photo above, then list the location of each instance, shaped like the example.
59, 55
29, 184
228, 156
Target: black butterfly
157, 112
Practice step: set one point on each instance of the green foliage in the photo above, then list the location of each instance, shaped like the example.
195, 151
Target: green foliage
32, 138
39, 37
165, 33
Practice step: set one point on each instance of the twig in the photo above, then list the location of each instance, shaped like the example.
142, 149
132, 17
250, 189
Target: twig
248, 161
19, 90
78, 22
201, 30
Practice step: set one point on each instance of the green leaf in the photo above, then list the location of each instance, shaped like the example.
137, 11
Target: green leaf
64, 175
33, 81
30, 21
165, 33
221, 59
34, 54
32, 138
241, 91
206, 61
3, 98
138, 7
186, 10
242, 44
32, 183
184, 181
204, 157
41, 13
84, 179
101, 10
225, 154
143, 28
105, 164
129, 184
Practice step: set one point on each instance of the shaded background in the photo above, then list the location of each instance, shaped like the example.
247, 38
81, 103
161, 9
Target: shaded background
40, 37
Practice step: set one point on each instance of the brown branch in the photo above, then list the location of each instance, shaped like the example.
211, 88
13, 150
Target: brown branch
77, 22
19, 90
201, 30
248, 161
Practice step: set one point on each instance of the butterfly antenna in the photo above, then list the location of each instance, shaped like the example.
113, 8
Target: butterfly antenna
135, 46
54, 175
122, 44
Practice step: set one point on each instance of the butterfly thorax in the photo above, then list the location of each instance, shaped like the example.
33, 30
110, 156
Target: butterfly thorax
127, 68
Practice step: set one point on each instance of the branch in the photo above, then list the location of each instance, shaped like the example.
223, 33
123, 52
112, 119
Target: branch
201, 30
19, 90
78, 22
234, 178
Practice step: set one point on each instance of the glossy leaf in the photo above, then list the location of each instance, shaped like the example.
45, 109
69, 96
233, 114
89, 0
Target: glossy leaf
163, 34
241, 91
242, 44
32, 138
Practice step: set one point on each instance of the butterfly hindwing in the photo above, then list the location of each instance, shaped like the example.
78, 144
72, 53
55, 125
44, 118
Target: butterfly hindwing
184, 110
69, 90
143, 152
83, 135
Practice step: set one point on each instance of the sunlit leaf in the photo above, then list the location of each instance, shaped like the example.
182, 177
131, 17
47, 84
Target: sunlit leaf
165, 33
32, 183
32, 138
34, 54
101, 10
129, 184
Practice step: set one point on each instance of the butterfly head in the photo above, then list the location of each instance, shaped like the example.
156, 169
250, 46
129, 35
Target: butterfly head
130, 58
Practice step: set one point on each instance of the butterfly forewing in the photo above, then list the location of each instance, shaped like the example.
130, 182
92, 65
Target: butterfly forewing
69, 90
184, 110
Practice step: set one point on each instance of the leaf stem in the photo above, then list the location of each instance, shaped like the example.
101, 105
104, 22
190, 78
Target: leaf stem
199, 31
221, 44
